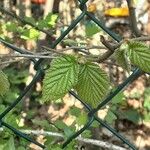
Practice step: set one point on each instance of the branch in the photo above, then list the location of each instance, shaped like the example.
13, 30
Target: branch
85, 140
23, 21
111, 48
132, 17
26, 56
83, 49
142, 38
10, 61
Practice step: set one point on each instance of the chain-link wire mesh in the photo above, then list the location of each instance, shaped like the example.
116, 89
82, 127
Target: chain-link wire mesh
91, 112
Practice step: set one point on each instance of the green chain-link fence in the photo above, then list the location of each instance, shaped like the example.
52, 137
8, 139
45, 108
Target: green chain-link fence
91, 112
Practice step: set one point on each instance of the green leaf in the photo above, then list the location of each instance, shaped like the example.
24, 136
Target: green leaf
10, 144
60, 78
93, 84
75, 111
146, 116
70, 42
132, 115
82, 119
118, 98
51, 19
21, 148
139, 55
3, 144
87, 134
30, 20
30, 34
68, 131
122, 58
42, 24
147, 99
12, 119
4, 83
91, 28
11, 27
2, 108
147, 102
110, 117
60, 124
43, 123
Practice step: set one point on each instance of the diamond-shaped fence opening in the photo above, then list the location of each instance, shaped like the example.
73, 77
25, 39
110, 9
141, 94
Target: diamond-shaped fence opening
40, 71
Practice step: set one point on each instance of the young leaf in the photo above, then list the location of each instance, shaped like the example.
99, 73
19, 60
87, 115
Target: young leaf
91, 28
139, 55
42, 24
122, 58
147, 98
132, 115
4, 83
93, 83
30, 20
82, 119
10, 144
147, 103
110, 117
30, 34
51, 19
11, 27
118, 99
70, 42
61, 77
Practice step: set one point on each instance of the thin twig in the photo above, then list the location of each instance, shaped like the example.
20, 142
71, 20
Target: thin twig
23, 21
142, 38
85, 140
11, 61
111, 48
132, 17
27, 56
79, 48
49, 51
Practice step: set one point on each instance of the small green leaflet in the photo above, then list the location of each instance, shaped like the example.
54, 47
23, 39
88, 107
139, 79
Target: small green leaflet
11, 27
147, 98
61, 77
48, 22
122, 58
132, 115
93, 84
70, 42
30, 34
51, 19
139, 55
82, 119
91, 28
4, 83
110, 117
30, 20
7, 144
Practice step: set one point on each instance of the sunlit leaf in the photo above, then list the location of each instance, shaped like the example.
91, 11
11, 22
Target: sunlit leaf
91, 28
93, 84
11, 27
139, 54
4, 83
61, 77
122, 57
30, 34
51, 19
30, 20
110, 117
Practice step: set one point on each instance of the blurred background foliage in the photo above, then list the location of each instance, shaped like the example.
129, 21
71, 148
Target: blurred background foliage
129, 111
